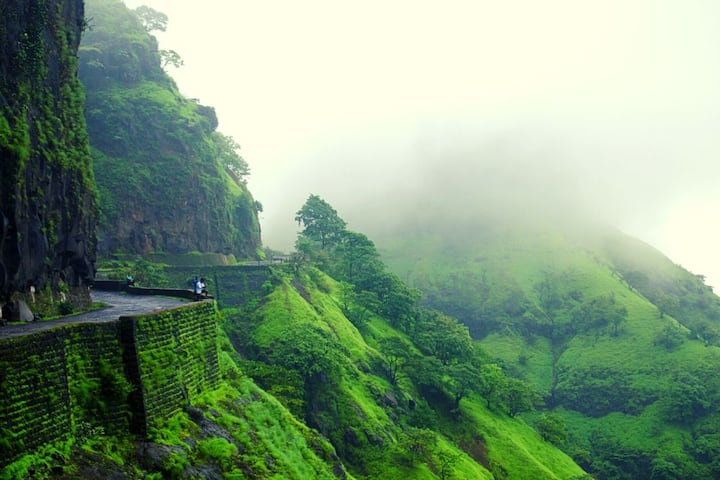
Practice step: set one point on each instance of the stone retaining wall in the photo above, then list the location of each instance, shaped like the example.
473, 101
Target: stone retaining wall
127, 375
230, 285
176, 358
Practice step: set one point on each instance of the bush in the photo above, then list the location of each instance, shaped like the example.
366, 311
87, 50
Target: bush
551, 428
65, 308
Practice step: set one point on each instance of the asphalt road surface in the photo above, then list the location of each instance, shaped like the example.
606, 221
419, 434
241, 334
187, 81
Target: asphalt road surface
119, 304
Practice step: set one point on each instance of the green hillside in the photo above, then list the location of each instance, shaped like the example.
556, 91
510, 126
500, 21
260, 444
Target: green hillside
168, 180
399, 390
345, 393
318, 381
620, 341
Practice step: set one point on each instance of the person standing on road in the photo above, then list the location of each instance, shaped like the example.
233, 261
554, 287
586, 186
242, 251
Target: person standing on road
196, 288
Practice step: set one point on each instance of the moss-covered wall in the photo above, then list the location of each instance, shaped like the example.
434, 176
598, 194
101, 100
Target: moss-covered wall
34, 403
56, 381
126, 375
176, 358
230, 285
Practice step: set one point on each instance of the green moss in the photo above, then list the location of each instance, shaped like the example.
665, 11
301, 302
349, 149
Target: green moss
219, 450
177, 357
274, 443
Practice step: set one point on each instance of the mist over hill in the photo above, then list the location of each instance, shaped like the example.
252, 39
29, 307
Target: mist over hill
502, 330
616, 336
601, 87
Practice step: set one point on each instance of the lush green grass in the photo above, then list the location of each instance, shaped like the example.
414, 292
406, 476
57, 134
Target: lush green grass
624, 380
273, 444
358, 400
537, 364
516, 448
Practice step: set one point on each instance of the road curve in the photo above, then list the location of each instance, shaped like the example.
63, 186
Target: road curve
119, 304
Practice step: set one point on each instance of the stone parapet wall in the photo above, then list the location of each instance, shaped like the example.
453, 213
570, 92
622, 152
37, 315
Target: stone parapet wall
230, 285
177, 358
96, 376
124, 376
34, 398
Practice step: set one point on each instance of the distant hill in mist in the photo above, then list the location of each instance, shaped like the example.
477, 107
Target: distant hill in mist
623, 344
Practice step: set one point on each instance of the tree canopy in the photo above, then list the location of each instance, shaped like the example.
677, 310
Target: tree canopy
152, 19
320, 221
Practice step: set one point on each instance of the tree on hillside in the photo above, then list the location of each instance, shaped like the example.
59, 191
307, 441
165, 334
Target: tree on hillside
311, 352
551, 428
667, 304
707, 333
152, 19
358, 259
462, 378
397, 300
672, 335
302, 254
170, 57
686, 399
320, 221
426, 373
518, 397
416, 445
599, 312
396, 353
230, 159
352, 257
548, 294
357, 306
443, 337
492, 383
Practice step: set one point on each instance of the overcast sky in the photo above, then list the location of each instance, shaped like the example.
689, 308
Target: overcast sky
616, 103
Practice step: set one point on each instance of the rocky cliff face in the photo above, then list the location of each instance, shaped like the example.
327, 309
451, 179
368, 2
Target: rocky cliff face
162, 168
47, 195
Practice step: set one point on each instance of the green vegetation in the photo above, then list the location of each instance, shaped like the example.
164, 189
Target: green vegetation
617, 339
399, 390
516, 353
144, 273
47, 188
168, 181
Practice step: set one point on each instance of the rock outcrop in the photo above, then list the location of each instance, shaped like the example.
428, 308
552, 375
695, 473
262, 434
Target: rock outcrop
47, 194
167, 178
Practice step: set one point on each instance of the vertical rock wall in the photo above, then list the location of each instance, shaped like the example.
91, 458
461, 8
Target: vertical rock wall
47, 194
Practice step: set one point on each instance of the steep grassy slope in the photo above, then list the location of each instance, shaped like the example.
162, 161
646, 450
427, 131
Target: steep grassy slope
380, 430
619, 340
168, 180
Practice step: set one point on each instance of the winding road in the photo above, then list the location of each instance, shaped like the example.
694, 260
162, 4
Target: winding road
119, 304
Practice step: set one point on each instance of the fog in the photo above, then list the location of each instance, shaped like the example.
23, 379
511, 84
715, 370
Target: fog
608, 109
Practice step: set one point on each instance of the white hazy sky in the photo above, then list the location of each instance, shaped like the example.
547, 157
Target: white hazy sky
357, 101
